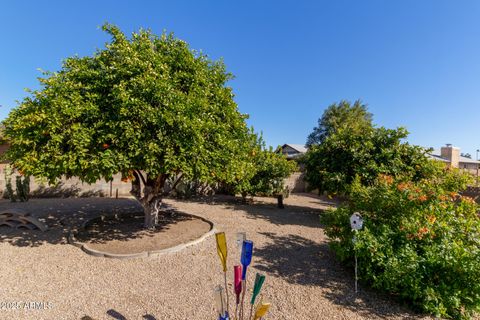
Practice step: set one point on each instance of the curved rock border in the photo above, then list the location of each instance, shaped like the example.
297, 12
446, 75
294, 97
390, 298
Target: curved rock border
153, 253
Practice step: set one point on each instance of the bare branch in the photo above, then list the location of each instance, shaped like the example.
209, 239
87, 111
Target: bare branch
136, 187
140, 174
180, 176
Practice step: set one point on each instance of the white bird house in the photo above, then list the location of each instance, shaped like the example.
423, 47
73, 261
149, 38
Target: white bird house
356, 221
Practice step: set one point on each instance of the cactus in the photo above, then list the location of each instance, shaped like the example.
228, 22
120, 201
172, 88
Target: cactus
8, 185
22, 186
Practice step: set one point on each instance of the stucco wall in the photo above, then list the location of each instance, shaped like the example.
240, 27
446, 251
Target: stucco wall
295, 182
72, 187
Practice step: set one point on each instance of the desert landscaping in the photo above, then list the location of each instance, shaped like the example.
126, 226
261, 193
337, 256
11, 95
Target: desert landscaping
303, 278
307, 160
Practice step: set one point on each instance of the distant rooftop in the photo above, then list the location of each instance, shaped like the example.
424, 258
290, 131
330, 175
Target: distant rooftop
293, 150
299, 147
436, 154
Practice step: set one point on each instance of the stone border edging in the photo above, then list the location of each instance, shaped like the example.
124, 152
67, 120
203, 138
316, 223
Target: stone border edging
153, 253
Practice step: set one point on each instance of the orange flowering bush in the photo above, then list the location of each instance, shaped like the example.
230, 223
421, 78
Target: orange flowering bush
420, 241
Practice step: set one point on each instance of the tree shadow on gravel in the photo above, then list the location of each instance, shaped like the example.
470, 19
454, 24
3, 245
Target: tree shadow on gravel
290, 215
127, 227
301, 261
118, 316
61, 216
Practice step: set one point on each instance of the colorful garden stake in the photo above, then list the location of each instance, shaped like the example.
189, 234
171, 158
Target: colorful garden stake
222, 249
261, 310
241, 236
240, 276
246, 259
222, 253
220, 301
237, 281
259, 279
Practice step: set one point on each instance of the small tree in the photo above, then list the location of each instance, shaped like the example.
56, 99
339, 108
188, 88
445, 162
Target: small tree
148, 107
23, 187
333, 165
9, 193
269, 173
341, 115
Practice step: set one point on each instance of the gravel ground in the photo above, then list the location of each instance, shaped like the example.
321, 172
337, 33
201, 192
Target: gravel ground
304, 281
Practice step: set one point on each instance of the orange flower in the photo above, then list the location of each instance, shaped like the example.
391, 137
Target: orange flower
431, 219
422, 198
385, 178
421, 232
411, 197
105, 146
402, 186
443, 197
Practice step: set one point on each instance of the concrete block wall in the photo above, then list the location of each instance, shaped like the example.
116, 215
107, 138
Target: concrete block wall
296, 182
72, 187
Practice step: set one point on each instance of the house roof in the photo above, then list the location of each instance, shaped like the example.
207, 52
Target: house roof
467, 160
436, 155
299, 147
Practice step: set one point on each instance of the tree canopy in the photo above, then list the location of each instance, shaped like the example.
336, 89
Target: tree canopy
344, 156
148, 107
267, 176
340, 115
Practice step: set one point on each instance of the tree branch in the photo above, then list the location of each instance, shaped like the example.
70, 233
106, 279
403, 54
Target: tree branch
180, 176
139, 174
136, 187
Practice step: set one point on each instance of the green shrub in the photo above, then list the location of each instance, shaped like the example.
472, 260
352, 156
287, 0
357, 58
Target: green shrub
420, 241
22, 186
8, 193
348, 154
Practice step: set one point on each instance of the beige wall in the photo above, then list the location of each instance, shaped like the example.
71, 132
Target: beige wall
295, 182
72, 187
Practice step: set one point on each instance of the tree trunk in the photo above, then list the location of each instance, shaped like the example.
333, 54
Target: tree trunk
280, 201
150, 198
244, 197
152, 210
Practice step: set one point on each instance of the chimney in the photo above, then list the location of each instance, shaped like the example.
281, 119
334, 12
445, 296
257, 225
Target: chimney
451, 154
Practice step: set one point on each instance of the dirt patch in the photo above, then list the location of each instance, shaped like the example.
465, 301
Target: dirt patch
127, 235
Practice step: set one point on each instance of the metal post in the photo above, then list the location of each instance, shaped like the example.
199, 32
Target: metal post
477, 166
356, 275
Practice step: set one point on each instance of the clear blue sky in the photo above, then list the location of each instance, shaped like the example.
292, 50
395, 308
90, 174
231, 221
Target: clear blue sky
415, 63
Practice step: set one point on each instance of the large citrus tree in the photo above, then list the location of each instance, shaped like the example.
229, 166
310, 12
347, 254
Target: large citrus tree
147, 107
